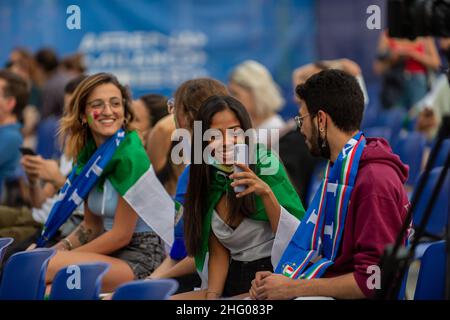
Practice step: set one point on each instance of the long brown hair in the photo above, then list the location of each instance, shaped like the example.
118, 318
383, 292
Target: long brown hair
200, 176
71, 131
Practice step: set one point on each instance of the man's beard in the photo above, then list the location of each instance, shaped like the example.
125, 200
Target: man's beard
319, 147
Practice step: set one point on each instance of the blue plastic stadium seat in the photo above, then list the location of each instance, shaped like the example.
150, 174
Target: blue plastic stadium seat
47, 143
438, 220
378, 132
79, 282
431, 279
24, 275
442, 154
160, 289
4, 243
393, 118
410, 147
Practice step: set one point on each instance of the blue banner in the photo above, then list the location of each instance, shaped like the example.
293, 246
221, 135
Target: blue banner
155, 45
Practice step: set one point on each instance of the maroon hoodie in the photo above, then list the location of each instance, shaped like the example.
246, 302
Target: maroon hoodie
376, 212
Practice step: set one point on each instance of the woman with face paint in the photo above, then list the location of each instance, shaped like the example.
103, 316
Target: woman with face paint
112, 231
230, 232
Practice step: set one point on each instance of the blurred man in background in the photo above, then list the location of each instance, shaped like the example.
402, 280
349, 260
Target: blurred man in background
13, 98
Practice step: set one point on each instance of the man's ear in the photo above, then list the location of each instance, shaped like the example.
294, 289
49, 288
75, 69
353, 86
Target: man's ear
322, 118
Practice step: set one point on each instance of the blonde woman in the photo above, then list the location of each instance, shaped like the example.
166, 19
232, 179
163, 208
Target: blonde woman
97, 124
252, 84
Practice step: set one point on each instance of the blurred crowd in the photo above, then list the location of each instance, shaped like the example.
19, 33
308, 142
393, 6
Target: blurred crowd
411, 99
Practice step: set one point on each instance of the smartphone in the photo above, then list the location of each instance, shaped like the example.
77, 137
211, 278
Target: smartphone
27, 151
240, 156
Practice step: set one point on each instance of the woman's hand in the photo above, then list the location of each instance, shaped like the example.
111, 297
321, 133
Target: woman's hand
248, 178
260, 188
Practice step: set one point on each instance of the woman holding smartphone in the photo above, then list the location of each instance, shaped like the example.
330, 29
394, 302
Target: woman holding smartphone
231, 234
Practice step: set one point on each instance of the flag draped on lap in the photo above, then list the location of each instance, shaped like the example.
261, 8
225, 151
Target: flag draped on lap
220, 184
123, 161
315, 243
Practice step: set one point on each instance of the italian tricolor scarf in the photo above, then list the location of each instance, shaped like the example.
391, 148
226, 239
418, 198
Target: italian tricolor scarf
123, 161
315, 243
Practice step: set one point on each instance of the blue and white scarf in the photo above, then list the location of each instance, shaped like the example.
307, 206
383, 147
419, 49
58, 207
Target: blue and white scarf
77, 187
314, 245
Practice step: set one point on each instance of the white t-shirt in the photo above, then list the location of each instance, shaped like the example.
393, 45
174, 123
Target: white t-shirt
41, 214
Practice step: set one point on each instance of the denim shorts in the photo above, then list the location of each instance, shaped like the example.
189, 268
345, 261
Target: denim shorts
144, 253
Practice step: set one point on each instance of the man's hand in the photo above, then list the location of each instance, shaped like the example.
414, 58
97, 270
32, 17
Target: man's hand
37, 167
426, 121
270, 286
30, 169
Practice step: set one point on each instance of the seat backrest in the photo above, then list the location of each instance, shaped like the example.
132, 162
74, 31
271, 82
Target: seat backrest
24, 275
394, 119
378, 132
442, 154
47, 143
439, 216
160, 289
79, 282
431, 278
411, 148
4, 243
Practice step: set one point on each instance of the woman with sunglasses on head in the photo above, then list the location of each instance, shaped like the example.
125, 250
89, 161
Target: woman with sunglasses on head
97, 127
231, 233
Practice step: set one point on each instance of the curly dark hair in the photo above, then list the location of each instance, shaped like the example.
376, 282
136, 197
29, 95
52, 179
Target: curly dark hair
338, 94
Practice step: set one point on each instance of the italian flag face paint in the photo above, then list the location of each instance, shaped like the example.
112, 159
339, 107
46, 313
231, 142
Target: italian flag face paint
90, 119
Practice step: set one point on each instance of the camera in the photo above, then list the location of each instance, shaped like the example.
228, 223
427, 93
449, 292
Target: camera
415, 18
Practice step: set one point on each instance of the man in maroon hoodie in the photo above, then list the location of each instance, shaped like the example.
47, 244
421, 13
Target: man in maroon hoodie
331, 111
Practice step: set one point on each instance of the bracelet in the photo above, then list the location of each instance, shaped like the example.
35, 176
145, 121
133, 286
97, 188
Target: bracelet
67, 243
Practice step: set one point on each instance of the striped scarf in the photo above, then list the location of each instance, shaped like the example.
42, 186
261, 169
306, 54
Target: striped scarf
315, 244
